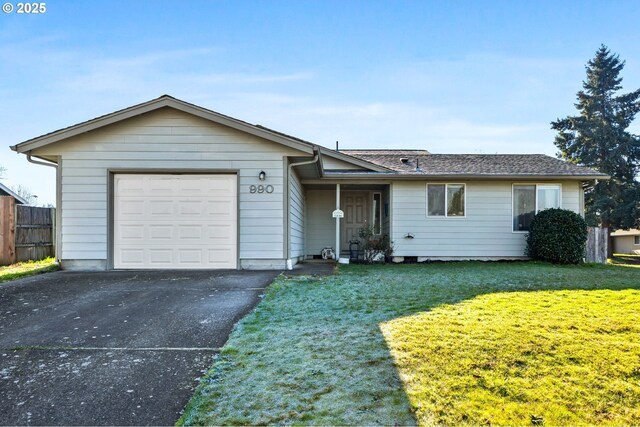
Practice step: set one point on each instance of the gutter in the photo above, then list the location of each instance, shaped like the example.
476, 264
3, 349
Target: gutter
423, 177
38, 162
315, 159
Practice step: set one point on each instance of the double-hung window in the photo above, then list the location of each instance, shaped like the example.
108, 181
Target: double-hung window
529, 199
446, 200
636, 240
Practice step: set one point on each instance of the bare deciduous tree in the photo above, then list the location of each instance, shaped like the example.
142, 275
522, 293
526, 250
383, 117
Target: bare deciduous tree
26, 194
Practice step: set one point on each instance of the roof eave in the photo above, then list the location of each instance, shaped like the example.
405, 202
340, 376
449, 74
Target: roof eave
412, 176
625, 233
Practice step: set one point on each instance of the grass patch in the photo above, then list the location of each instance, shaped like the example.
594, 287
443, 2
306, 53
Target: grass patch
443, 343
625, 260
567, 357
27, 268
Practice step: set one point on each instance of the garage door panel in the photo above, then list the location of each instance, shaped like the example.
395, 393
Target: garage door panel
220, 256
134, 257
158, 208
190, 232
222, 208
130, 232
160, 256
129, 188
130, 208
175, 221
160, 231
220, 231
191, 208
190, 256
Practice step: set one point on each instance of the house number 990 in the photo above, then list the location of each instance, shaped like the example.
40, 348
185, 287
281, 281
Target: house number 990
261, 189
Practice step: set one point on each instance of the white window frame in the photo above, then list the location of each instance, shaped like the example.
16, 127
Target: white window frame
536, 185
636, 240
446, 189
373, 212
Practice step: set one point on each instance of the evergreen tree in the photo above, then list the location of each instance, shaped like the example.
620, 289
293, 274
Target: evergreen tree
598, 138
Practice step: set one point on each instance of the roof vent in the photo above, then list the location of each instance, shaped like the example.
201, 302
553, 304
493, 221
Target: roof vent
404, 160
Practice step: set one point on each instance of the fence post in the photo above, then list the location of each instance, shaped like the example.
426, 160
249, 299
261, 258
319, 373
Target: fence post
7, 230
597, 242
604, 238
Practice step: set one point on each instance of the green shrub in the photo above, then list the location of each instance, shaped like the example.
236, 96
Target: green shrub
557, 236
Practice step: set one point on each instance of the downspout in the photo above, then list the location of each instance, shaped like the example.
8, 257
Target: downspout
56, 222
315, 159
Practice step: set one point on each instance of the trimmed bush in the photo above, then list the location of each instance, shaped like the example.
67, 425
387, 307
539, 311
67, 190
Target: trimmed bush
557, 236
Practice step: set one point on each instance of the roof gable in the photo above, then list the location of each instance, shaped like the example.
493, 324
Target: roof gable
169, 101
6, 191
155, 104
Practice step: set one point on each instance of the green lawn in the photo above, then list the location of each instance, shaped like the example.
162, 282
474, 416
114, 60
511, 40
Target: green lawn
625, 260
27, 268
443, 343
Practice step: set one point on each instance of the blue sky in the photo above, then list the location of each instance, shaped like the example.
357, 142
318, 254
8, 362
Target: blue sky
447, 76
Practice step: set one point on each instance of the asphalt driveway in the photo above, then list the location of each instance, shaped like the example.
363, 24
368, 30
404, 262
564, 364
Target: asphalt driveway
114, 348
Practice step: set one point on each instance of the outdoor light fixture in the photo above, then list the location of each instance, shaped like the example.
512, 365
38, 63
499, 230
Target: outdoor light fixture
262, 175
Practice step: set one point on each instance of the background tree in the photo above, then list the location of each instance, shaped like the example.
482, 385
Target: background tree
26, 194
598, 138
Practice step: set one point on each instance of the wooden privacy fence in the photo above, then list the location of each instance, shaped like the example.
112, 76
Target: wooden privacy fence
26, 232
597, 245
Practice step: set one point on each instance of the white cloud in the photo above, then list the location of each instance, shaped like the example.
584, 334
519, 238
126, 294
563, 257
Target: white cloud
392, 125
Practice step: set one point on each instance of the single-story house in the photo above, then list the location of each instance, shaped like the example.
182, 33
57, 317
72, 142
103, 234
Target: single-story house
6, 191
626, 241
169, 184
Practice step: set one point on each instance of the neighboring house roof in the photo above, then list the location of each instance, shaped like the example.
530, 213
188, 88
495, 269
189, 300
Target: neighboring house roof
421, 162
6, 191
630, 232
169, 101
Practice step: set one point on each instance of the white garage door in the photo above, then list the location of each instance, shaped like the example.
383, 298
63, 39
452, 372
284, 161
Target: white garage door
175, 221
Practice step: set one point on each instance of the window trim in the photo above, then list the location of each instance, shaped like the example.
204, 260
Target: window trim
446, 188
536, 185
636, 240
373, 212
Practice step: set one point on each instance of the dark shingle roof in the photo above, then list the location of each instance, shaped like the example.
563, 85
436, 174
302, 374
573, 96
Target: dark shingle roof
471, 164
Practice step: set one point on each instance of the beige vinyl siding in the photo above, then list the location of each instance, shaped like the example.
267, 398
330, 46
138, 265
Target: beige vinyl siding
320, 225
163, 140
571, 196
335, 164
625, 245
296, 216
485, 232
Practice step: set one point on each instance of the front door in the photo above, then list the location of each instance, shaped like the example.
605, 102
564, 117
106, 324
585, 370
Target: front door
355, 205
